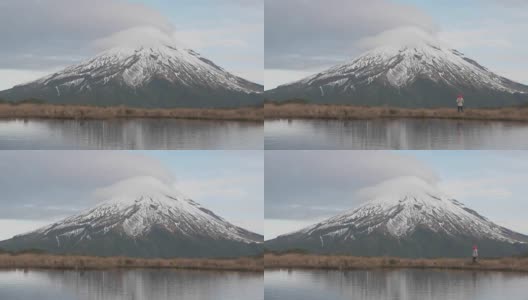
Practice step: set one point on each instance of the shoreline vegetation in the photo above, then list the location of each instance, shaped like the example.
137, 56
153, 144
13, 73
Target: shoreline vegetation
340, 262
296, 110
78, 262
86, 112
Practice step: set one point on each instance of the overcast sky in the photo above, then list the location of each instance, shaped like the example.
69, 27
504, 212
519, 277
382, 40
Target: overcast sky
303, 37
39, 37
304, 187
40, 187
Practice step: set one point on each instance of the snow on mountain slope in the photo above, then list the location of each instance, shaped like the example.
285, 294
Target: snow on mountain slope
422, 75
136, 214
142, 217
400, 66
135, 67
408, 204
156, 76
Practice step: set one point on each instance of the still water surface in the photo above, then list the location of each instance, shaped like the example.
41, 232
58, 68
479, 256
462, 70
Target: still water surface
394, 284
130, 134
394, 134
141, 284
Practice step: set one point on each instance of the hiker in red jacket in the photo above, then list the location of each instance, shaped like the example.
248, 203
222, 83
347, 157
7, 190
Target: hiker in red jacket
460, 103
475, 253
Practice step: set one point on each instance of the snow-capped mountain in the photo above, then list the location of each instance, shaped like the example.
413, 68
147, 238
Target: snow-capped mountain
152, 224
406, 217
422, 75
160, 76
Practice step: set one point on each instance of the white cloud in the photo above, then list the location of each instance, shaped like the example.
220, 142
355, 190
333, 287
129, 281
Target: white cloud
398, 186
144, 36
345, 28
63, 28
309, 177
399, 36
49, 183
330, 28
197, 39
47, 37
135, 187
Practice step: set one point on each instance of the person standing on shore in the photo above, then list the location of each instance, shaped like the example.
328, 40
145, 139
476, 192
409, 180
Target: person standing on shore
475, 253
460, 103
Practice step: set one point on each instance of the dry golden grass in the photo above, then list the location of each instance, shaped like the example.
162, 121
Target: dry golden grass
45, 261
97, 112
308, 261
344, 112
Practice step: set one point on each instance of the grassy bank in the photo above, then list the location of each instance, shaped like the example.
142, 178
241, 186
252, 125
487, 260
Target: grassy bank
307, 261
46, 261
50, 111
348, 112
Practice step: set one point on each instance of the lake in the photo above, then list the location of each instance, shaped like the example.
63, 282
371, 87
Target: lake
159, 134
394, 134
139, 284
394, 284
